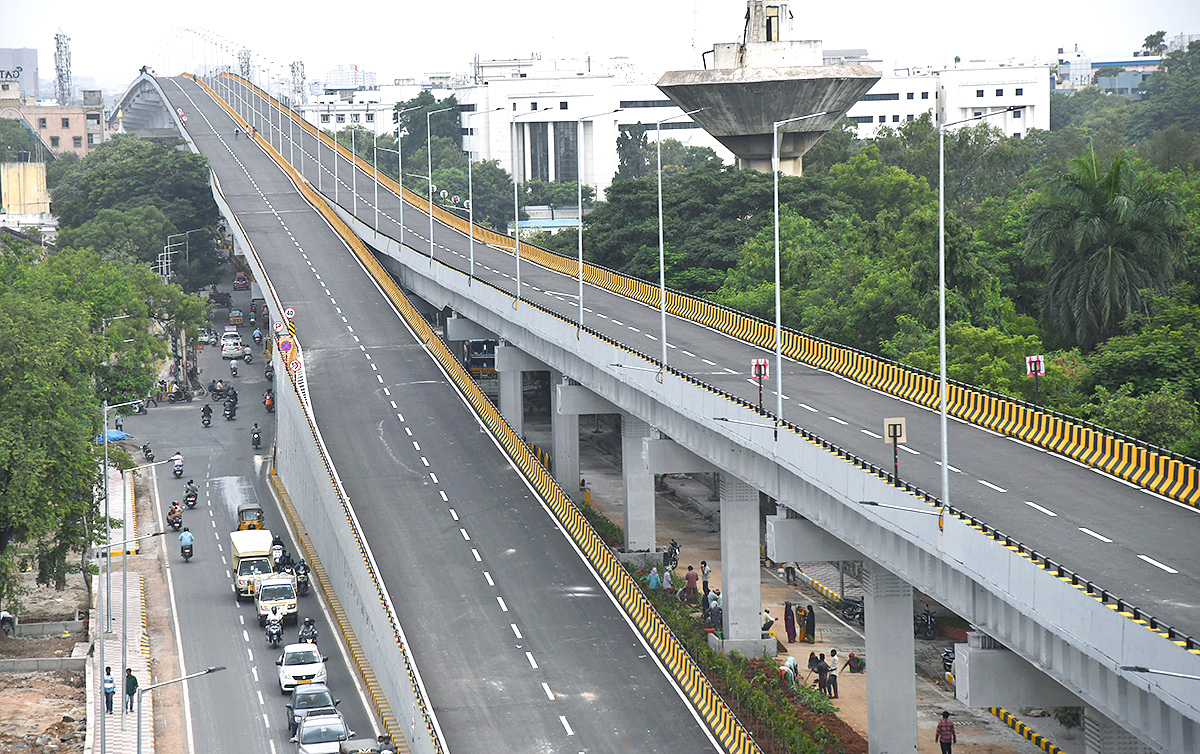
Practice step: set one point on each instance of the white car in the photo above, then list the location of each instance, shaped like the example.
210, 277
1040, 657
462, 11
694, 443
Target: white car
232, 348
322, 732
300, 664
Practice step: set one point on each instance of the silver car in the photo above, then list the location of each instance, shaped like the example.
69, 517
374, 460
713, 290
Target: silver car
321, 732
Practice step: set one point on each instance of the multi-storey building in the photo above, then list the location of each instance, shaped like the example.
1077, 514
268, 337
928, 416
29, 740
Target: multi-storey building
70, 128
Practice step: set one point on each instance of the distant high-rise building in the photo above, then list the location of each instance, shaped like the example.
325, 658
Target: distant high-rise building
349, 77
20, 64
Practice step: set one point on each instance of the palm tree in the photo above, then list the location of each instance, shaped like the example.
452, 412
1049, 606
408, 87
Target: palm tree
1107, 236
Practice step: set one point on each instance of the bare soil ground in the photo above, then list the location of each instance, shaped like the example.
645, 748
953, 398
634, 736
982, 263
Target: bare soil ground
42, 712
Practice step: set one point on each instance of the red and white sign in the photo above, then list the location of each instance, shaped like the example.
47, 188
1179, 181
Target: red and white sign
278, 326
295, 365
761, 369
289, 312
1035, 366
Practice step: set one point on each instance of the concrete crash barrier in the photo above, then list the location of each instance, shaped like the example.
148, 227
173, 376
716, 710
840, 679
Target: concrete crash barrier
40, 664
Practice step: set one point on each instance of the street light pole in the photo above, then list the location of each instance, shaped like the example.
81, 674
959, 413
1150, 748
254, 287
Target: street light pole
516, 205
400, 166
374, 163
942, 291
778, 298
471, 197
579, 199
662, 255
429, 172
153, 686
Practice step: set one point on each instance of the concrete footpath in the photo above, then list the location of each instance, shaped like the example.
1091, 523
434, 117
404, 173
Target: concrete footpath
128, 637
688, 511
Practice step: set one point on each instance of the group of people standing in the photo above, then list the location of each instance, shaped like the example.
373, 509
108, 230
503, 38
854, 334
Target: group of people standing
800, 623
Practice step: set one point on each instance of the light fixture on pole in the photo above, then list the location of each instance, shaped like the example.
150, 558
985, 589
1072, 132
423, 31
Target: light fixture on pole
516, 203
429, 154
1152, 671
579, 198
778, 300
151, 687
400, 167
353, 169
471, 195
662, 255
942, 290
102, 556
374, 162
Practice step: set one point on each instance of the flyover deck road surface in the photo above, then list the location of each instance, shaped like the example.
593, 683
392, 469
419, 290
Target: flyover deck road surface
1134, 543
520, 647
242, 708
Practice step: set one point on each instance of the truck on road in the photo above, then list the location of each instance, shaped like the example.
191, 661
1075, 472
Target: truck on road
251, 559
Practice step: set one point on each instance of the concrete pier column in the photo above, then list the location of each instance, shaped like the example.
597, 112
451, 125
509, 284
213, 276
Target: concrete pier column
741, 585
511, 363
891, 680
639, 486
564, 428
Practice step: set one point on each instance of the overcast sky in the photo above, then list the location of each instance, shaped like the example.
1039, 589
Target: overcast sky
110, 42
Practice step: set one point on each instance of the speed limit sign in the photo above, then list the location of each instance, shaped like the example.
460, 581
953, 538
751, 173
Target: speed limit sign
289, 312
278, 326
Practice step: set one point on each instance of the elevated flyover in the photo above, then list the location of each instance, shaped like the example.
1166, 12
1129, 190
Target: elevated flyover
1077, 571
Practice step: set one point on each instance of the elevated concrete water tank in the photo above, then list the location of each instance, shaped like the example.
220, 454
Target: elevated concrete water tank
748, 86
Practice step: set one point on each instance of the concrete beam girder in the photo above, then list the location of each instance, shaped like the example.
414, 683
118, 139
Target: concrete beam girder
995, 677
509, 358
797, 539
461, 328
1052, 624
666, 456
578, 400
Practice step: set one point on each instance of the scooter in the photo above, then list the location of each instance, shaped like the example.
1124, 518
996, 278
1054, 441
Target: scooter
186, 551
302, 583
140, 407
228, 412
147, 453
269, 402
948, 660
206, 419
671, 556
308, 635
248, 355
256, 439
180, 396
258, 339
176, 523
212, 338
233, 368
190, 499
269, 371
178, 469
274, 633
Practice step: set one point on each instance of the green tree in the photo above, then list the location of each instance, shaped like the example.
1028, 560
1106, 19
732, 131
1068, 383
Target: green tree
1157, 348
1104, 235
560, 194
127, 172
16, 137
141, 230
1166, 417
633, 153
412, 124
1171, 148
1155, 44
1105, 72
836, 146
1172, 95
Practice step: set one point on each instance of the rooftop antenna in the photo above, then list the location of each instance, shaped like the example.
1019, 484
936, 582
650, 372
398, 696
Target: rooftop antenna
62, 68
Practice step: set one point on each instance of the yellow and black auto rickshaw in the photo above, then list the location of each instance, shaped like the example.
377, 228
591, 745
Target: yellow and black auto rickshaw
250, 516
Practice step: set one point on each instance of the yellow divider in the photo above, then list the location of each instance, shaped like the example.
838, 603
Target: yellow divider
727, 729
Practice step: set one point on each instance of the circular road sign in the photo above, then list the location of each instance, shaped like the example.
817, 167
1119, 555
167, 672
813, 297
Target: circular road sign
278, 326
296, 366
289, 312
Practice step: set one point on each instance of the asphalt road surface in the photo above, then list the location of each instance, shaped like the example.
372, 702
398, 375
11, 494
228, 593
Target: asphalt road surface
520, 647
242, 708
1134, 543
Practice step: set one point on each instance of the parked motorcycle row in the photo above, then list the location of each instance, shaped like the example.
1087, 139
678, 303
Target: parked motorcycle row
925, 624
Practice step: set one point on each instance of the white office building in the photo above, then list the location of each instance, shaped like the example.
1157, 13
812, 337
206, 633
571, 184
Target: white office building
539, 106
957, 93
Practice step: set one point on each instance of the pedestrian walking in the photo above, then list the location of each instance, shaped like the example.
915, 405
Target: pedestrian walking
789, 621
668, 583
131, 687
690, 579
120, 423
810, 626
945, 734
822, 674
705, 572
789, 572
110, 689
704, 606
833, 674
654, 581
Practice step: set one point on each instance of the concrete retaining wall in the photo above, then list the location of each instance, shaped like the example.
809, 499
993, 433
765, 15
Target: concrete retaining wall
50, 628
38, 664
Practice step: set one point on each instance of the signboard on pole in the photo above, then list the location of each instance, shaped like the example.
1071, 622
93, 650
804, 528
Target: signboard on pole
1035, 366
894, 431
761, 369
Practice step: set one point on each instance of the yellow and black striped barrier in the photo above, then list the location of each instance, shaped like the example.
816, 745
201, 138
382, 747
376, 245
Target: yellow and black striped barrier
1024, 730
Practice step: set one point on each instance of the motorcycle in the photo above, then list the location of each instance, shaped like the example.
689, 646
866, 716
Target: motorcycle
147, 453
302, 583
255, 439
853, 610
206, 419
186, 552
228, 412
190, 499
671, 556
175, 523
248, 355
276, 553
219, 394
180, 396
212, 338
274, 633
140, 407
269, 402
308, 635
258, 339
948, 660
178, 469
269, 371
925, 625
233, 367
